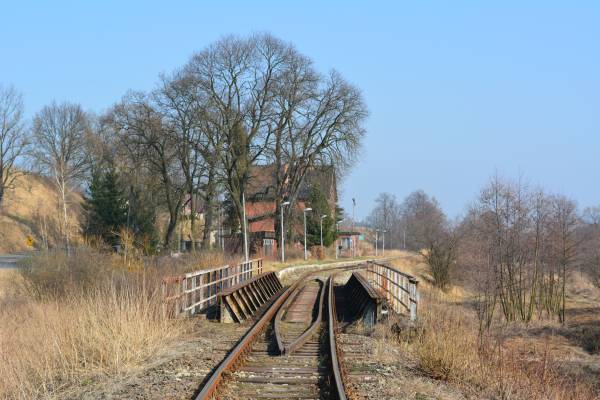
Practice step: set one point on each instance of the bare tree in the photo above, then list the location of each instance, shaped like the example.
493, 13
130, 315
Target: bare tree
524, 242
317, 122
387, 216
234, 79
563, 235
60, 136
145, 136
177, 102
13, 139
431, 234
589, 233
422, 218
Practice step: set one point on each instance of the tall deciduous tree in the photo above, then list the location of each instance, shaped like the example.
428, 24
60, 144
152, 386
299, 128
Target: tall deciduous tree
60, 133
236, 79
176, 100
13, 139
149, 145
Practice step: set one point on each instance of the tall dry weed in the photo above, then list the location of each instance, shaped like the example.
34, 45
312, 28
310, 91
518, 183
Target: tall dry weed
448, 347
77, 320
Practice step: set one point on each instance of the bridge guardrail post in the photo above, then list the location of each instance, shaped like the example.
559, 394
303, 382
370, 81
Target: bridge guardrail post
414, 298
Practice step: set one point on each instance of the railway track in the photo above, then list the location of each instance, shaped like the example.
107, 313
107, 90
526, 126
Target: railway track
289, 353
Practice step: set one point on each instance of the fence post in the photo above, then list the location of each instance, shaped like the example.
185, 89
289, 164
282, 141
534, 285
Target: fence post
414, 294
193, 295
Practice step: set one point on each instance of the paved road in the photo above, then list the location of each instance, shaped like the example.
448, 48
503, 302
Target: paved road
10, 260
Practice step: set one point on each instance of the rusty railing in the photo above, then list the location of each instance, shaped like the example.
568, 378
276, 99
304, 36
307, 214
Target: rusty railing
195, 291
400, 289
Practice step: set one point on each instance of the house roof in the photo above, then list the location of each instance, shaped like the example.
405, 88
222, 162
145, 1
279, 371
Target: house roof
263, 180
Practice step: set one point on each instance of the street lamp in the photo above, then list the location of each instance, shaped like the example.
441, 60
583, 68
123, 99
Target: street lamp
305, 251
285, 203
322, 218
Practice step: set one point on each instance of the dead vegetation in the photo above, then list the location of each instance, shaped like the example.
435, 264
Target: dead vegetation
69, 322
32, 209
511, 360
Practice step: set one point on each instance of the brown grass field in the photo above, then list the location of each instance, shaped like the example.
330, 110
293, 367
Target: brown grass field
543, 360
92, 321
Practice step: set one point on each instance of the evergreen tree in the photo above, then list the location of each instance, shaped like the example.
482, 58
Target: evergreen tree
320, 206
105, 206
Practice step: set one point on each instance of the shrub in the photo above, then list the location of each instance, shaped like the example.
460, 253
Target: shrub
448, 348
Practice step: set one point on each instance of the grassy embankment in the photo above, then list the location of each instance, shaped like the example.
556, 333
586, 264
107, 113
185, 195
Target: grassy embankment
67, 323
542, 360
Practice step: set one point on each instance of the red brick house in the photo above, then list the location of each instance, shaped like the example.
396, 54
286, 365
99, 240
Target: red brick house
260, 203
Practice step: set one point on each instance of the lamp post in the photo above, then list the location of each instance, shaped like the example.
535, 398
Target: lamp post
305, 251
285, 203
322, 218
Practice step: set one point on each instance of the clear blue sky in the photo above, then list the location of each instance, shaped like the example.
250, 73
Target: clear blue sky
456, 90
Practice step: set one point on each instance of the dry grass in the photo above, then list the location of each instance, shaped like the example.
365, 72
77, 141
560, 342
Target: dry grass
31, 209
449, 348
509, 362
104, 321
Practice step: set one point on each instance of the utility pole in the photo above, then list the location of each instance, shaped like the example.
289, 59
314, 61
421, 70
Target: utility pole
305, 250
246, 255
282, 244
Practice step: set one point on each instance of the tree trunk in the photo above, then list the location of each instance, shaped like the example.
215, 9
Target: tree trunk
192, 217
209, 207
170, 230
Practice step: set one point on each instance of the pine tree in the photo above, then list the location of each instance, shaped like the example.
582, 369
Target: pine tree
320, 206
105, 206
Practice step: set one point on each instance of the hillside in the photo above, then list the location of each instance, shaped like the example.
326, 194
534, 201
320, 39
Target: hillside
32, 209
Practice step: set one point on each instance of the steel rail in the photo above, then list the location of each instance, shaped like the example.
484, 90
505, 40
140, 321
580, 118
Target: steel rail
235, 356
279, 317
340, 392
244, 344
300, 340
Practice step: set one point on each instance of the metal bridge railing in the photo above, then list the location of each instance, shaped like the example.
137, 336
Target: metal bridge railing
195, 291
400, 289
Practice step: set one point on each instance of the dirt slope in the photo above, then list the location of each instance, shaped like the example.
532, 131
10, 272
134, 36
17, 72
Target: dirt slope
31, 209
